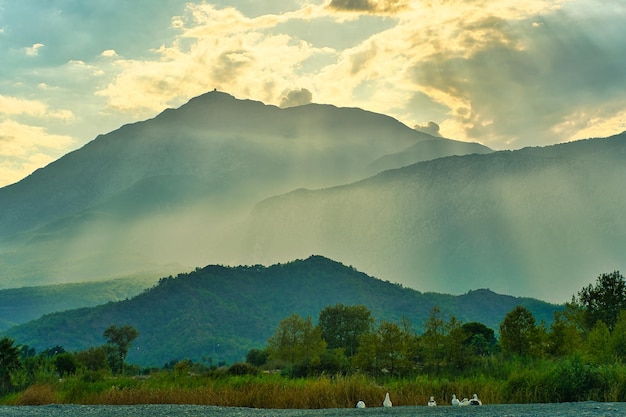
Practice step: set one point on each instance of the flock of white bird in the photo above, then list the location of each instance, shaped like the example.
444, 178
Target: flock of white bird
431, 402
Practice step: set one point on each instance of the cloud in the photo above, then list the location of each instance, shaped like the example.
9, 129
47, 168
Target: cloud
370, 6
24, 148
33, 50
431, 128
109, 53
296, 98
16, 106
525, 84
217, 48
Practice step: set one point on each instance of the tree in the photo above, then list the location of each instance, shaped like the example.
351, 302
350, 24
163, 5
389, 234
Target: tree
257, 357
479, 339
564, 338
120, 339
603, 301
598, 344
9, 362
94, 358
65, 363
296, 342
518, 332
388, 349
433, 338
342, 326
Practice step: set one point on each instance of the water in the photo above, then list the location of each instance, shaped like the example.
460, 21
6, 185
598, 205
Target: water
584, 409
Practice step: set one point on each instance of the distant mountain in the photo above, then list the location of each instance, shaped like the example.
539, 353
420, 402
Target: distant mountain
542, 222
21, 305
162, 191
223, 312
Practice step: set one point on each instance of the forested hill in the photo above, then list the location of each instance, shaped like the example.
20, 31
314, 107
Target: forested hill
223, 312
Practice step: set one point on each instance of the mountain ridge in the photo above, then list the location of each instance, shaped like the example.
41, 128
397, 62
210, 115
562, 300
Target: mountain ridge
530, 215
206, 162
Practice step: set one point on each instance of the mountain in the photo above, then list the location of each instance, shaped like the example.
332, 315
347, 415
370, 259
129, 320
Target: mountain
21, 305
223, 312
163, 191
541, 222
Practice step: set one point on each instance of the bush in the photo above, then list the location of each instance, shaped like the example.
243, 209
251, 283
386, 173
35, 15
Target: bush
242, 369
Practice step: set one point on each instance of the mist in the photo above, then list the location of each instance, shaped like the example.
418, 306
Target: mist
227, 181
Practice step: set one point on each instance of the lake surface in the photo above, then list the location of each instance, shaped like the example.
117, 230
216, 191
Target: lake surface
584, 409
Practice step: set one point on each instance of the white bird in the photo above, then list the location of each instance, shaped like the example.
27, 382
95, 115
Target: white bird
455, 401
387, 401
475, 400
463, 402
432, 402
360, 404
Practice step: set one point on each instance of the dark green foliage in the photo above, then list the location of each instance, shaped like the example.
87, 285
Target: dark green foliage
257, 357
66, 364
575, 380
242, 369
604, 300
9, 362
480, 339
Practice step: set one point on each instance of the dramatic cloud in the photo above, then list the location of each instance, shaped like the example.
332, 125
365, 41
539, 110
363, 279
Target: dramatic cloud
489, 71
296, 98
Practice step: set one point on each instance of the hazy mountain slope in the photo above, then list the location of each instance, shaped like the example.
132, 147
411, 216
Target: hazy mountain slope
20, 305
161, 191
222, 312
522, 222
424, 151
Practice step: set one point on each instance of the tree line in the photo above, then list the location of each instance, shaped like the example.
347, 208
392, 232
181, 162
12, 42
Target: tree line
590, 331
347, 339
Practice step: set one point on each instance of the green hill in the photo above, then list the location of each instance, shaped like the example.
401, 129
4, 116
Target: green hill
223, 312
20, 305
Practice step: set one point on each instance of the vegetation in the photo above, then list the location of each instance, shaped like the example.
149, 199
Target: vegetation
218, 314
348, 357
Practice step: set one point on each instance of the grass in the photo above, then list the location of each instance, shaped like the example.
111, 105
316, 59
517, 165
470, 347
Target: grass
540, 382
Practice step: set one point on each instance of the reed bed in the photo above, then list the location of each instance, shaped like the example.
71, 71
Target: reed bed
557, 383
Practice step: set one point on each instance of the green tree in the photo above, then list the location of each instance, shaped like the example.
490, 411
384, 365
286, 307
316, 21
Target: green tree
93, 359
433, 339
9, 362
598, 344
342, 326
387, 350
563, 339
296, 342
518, 332
120, 339
257, 357
604, 300
454, 344
66, 364
479, 339
618, 337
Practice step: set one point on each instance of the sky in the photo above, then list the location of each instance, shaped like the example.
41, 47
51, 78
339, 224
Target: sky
507, 74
